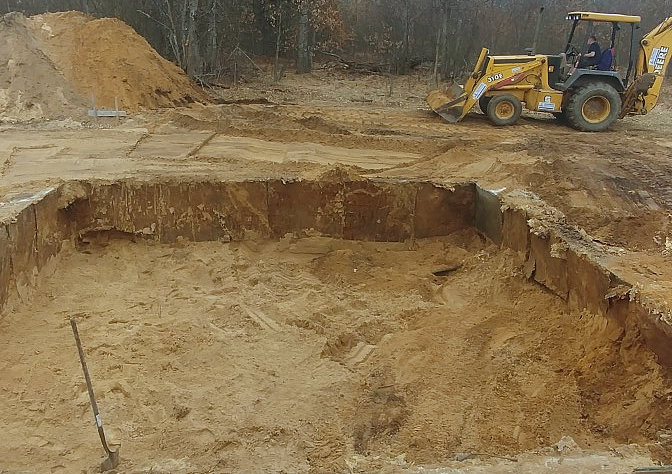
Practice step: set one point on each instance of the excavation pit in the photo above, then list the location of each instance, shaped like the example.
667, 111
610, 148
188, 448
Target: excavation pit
298, 326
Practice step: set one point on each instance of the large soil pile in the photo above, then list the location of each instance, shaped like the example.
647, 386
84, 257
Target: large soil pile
31, 86
108, 58
51, 64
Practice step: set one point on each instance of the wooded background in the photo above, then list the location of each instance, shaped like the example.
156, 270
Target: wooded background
392, 36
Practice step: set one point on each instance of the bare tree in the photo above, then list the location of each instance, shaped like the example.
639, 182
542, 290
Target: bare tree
304, 61
400, 34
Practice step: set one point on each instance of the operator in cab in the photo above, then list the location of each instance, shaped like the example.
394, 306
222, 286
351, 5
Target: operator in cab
593, 55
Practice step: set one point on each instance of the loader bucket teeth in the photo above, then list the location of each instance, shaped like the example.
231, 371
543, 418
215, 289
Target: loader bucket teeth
448, 104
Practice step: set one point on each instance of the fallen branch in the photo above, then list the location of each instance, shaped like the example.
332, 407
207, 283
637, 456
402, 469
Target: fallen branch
358, 66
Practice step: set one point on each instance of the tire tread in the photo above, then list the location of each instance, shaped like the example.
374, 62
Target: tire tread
580, 94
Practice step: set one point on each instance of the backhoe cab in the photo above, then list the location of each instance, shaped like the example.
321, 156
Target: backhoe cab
587, 98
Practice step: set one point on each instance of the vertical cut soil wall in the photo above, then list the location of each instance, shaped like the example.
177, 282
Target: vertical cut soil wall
555, 255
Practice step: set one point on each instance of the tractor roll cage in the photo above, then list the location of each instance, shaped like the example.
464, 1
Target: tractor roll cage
614, 19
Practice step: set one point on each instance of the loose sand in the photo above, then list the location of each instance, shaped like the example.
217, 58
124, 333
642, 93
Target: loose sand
314, 354
108, 58
31, 85
51, 64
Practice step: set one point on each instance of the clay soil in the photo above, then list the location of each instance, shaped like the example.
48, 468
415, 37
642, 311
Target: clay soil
279, 356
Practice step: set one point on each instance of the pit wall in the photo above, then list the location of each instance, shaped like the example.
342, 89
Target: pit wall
556, 255
35, 226
354, 210
563, 259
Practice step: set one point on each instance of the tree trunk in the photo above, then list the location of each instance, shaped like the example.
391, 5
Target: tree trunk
446, 61
213, 53
193, 56
303, 64
276, 68
265, 46
183, 31
173, 36
440, 42
404, 61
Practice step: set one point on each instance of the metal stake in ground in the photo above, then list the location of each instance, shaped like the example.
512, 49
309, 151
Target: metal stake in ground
112, 459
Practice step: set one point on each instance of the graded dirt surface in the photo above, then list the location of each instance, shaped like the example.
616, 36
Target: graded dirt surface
614, 185
319, 355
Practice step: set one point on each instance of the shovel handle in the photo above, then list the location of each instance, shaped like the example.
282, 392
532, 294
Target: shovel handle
89, 386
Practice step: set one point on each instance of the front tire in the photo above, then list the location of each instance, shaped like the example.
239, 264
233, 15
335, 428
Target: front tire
504, 110
593, 107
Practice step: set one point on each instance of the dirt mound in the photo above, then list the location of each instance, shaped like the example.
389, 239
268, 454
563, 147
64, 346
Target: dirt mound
108, 58
340, 174
31, 86
51, 64
314, 122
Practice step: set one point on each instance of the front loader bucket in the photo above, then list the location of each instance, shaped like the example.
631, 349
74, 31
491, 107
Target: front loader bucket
448, 104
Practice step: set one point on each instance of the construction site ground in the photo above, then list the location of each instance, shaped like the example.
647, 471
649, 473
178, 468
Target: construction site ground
392, 368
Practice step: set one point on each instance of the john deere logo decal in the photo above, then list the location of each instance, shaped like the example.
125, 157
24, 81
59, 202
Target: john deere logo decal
658, 57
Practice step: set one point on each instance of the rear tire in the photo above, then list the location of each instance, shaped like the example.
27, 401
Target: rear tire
483, 103
504, 110
593, 107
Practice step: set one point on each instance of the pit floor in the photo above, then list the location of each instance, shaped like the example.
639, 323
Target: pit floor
315, 354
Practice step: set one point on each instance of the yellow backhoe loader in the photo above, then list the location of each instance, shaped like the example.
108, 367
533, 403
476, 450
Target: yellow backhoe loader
589, 99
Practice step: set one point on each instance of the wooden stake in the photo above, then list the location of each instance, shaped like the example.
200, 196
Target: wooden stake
93, 106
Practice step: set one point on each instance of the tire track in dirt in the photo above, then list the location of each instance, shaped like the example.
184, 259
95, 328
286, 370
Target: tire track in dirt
650, 179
